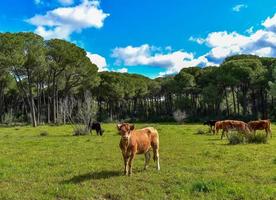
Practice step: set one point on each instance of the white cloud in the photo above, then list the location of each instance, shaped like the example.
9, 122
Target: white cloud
66, 2
62, 2
98, 60
237, 8
147, 55
250, 30
62, 22
122, 70
270, 23
197, 40
222, 44
260, 42
37, 2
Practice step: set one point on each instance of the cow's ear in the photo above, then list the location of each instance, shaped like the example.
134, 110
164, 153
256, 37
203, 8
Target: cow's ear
119, 126
131, 126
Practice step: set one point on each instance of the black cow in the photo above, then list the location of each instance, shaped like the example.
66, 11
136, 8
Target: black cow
96, 126
211, 123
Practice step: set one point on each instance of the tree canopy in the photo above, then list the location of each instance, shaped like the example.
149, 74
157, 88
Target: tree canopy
37, 78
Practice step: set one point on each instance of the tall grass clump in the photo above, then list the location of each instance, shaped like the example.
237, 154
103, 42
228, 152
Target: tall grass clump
257, 138
236, 138
206, 186
240, 138
44, 133
201, 132
80, 130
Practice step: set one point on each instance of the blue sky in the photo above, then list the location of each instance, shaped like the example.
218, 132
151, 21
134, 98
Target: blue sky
150, 37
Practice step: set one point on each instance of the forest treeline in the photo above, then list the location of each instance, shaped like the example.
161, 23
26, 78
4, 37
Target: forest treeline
45, 82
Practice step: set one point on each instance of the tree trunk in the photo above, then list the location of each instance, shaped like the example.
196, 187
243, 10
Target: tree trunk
234, 100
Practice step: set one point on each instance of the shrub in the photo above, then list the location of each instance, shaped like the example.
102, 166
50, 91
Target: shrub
201, 187
8, 118
201, 132
179, 116
236, 138
206, 186
78, 131
257, 138
44, 133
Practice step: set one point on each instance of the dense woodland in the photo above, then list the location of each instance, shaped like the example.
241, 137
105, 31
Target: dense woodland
45, 81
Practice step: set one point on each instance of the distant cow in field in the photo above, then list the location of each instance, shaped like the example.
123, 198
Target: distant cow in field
211, 123
138, 141
228, 125
95, 126
260, 125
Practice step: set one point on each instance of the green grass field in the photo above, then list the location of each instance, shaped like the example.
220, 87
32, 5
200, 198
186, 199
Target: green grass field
62, 166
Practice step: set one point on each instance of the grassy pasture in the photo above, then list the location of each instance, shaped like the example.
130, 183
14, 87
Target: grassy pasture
61, 166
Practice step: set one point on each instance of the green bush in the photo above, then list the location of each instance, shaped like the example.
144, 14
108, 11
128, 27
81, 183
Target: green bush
257, 138
201, 187
8, 118
79, 131
201, 132
44, 133
206, 186
236, 138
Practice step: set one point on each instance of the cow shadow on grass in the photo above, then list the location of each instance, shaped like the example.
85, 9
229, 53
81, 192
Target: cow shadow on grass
93, 176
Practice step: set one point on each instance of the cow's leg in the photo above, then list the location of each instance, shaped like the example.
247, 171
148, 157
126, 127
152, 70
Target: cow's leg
130, 163
147, 159
266, 132
226, 133
156, 157
126, 160
222, 134
213, 129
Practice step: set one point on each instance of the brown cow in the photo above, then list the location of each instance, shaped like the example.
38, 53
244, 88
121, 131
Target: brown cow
260, 125
218, 126
138, 141
228, 125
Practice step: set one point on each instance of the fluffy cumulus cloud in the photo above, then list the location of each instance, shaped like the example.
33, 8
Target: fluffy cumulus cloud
237, 8
98, 60
172, 61
222, 44
62, 22
123, 70
66, 2
261, 42
63, 2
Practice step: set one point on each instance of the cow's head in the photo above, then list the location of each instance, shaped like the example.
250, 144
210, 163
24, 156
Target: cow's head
125, 129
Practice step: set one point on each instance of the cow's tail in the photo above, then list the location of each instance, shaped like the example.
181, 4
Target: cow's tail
269, 128
155, 142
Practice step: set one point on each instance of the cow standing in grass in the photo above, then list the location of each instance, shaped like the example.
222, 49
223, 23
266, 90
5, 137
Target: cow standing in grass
229, 125
211, 124
260, 125
95, 126
218, 126
138, 141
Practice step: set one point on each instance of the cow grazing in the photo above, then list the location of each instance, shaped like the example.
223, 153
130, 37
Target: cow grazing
95, 126
139, 141
218, 126
211, 123
228, 125
260, 125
